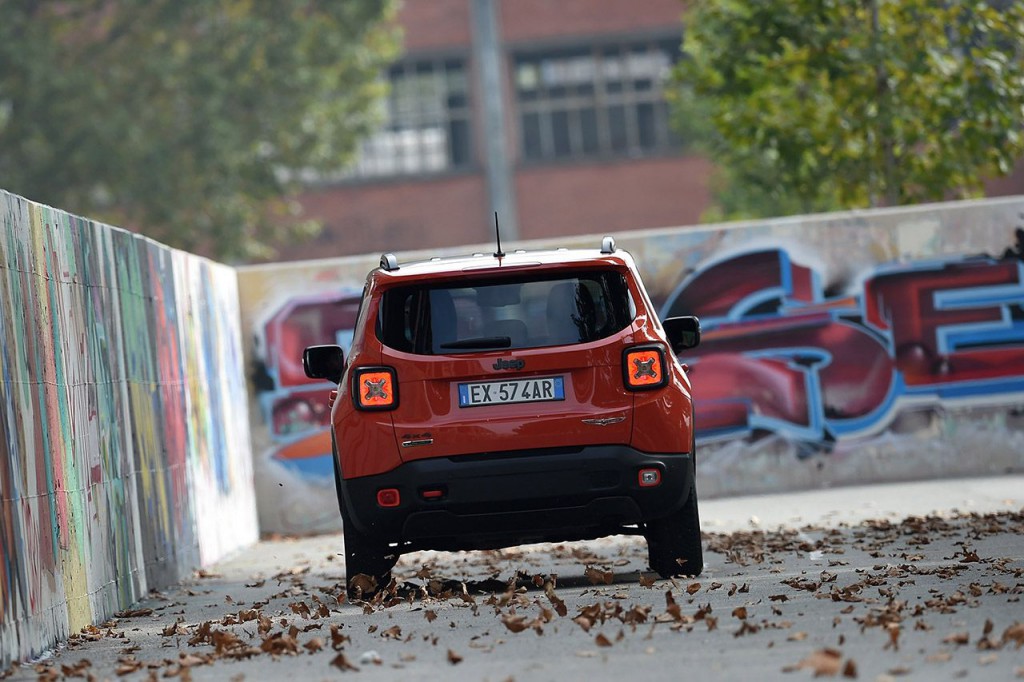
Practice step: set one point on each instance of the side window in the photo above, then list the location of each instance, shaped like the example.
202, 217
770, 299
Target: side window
396, 321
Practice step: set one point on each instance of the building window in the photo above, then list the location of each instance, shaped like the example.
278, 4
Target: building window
426, 122
604, 100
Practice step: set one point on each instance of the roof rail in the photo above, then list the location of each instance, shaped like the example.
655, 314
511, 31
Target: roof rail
608, 245
388, 261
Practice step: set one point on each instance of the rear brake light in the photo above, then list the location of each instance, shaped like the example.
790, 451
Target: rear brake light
375, 388
389, 497
644, 368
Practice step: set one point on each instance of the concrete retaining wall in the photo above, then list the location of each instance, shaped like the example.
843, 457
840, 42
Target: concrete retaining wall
840, 348
124, 436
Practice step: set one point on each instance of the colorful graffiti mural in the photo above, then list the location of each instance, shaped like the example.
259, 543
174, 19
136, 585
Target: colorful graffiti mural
781, 355
838, 348
294, 407
124, 428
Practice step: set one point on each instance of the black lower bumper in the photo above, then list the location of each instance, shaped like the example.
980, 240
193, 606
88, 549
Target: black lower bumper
511, 498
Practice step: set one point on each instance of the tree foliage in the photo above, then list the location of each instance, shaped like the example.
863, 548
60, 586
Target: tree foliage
816, 104
181, 118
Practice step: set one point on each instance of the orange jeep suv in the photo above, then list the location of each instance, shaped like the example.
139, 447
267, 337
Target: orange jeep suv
495, 400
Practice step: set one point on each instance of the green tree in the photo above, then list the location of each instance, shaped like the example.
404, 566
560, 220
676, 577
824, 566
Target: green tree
811, 105
187, 119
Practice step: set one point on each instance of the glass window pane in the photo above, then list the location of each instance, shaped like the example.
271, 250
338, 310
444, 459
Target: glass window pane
458, 142
617, 132
645, 125
480, 315
588, 131
532, 145
560, 133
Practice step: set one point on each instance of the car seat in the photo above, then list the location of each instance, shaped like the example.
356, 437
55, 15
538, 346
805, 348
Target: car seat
443, 320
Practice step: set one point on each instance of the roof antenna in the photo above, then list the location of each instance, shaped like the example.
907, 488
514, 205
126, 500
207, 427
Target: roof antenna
497, 234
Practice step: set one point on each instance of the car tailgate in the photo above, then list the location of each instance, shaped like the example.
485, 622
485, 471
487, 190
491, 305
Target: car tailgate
493, 402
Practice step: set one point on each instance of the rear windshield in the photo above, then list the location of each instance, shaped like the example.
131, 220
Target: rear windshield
479, 315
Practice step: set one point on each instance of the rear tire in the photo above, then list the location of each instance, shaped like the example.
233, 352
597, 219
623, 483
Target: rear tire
673, 542
368, 563
364, 556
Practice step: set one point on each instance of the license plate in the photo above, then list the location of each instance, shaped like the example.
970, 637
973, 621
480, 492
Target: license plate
509, 391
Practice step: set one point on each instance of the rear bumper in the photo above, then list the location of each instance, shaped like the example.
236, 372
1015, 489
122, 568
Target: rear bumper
513, 498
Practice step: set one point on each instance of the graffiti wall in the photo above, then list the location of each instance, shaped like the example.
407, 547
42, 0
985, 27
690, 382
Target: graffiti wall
124, 437
851, 347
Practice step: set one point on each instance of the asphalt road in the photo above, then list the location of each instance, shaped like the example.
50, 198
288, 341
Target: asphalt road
903, 582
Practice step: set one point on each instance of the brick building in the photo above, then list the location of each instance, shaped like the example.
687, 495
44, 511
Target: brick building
549, 111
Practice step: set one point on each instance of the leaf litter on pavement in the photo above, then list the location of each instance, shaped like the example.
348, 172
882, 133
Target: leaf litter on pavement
304, 612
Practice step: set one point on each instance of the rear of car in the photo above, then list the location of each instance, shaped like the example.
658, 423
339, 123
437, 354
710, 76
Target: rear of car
490, 402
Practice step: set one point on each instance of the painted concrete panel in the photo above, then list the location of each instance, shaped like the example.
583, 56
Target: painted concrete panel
124, 436
839, 348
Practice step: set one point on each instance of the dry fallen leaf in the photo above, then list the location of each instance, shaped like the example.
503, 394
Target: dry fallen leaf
957, 638
822, 662
77, 669
584, 622
173, 629
134, 613
46, 673
189, 660
601, 640
516, 623
1015, 634
894, 637
598, 577
671, 607
362, 584
430, 615
454, 658
556, 601
126, 665
342, 663
314, 645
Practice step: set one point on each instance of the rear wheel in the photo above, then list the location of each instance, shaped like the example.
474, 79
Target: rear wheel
368, 562
673, 542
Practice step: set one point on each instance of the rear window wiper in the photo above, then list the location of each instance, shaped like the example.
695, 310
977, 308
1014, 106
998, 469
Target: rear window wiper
480, 342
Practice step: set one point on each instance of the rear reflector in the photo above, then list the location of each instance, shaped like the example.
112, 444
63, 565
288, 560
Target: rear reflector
649, 478
432, 493
389, 497
375, 388
643, 367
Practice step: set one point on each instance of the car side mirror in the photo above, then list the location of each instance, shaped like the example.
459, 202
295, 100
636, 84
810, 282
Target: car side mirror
324, 362
683, 332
